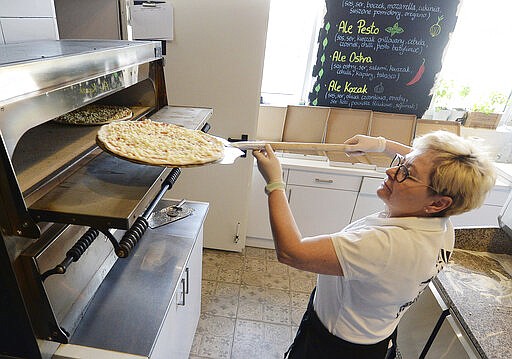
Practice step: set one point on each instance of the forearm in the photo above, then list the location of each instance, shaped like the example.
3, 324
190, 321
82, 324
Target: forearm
286, 234
393, 147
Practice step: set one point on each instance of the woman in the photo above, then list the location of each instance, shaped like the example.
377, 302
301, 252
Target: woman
375, 268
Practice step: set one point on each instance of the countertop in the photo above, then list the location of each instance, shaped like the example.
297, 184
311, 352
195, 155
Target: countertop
117, 318
477, 287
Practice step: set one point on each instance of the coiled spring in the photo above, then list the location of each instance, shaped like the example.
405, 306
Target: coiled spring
131, 237
82, 244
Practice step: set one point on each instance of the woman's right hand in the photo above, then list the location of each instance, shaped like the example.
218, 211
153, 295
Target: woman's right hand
360, 145
268, 164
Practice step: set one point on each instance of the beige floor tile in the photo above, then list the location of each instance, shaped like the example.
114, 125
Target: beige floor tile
299, 299
278, 314
277, 333
276, 267
253, 292
255, 252
215, 325
249, 329
220, 306
255, 265
277, 281
215, 347
277, 297
250, 309
230, 275
210, 271
227, 289
256, 279
208, 287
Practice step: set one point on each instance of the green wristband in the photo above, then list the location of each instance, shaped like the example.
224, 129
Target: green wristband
274, 186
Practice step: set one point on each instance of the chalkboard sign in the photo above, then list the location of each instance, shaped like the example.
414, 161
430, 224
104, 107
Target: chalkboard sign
381, 55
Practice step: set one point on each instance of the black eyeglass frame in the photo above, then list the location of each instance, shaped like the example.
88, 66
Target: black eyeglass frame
398, 161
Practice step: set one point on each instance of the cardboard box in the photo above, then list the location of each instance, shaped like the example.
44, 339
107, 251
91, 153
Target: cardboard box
482, 120
271, 123
426, 126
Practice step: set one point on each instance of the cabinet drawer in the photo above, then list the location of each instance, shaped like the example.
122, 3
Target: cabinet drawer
324, 180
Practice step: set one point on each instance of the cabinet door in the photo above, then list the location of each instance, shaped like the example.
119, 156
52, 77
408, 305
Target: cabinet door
258, 224
320, 210
180, 324
367, 200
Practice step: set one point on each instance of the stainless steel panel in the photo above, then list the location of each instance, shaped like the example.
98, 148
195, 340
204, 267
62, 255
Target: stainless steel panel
128, 310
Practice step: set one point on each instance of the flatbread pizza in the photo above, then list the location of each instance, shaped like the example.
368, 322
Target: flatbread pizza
95, 115
159, 143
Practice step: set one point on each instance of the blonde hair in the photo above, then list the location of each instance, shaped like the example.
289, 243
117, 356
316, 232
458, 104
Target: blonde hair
461, 170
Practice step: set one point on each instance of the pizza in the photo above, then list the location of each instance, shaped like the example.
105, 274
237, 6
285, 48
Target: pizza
159, 143
95, 115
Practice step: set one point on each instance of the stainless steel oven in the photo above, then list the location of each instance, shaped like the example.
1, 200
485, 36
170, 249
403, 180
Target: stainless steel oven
68, 210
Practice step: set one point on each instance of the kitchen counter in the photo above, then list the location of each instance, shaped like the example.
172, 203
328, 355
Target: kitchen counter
477, 287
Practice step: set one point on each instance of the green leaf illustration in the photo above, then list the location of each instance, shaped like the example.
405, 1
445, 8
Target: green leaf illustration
322, 59
327, 26
321, 73
395, 29
317, 88
315, 102
325, 42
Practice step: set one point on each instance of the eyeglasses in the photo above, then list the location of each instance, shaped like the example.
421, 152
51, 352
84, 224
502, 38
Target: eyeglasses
402, 172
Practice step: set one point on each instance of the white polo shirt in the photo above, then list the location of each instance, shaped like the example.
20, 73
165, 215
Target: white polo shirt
387, 263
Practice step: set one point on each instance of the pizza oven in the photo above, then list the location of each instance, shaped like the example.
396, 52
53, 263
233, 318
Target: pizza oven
68, 210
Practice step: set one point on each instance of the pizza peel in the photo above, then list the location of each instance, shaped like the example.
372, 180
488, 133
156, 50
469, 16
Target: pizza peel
295, 146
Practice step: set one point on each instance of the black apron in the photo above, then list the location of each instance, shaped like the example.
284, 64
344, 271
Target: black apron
314, 341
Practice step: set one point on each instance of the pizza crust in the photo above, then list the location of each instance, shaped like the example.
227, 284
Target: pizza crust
95, 115
159, 143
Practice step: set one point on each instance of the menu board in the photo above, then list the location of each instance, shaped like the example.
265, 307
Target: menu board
381, 55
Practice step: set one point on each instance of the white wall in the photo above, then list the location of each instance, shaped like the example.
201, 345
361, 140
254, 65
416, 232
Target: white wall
26, 20
216, 61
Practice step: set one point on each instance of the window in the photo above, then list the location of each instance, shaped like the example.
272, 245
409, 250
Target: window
290, 50
475, 73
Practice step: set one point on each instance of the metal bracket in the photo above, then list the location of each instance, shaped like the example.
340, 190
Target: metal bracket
243, 137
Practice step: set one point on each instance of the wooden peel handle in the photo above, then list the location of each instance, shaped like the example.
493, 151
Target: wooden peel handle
300, 146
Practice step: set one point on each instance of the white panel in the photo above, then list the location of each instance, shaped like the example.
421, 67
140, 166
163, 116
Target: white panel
153, 21
258, 223
2, 41
27, 8
216, 61
27, 29
485, 216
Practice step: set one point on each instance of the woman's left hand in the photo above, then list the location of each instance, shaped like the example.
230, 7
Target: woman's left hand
268, 164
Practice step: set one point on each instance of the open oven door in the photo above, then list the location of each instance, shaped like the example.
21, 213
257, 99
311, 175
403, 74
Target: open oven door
222, 72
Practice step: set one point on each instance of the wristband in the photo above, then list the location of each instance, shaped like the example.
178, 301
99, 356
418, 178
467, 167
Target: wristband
274, 186
382, 144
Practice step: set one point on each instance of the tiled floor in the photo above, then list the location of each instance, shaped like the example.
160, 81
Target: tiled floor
251, 305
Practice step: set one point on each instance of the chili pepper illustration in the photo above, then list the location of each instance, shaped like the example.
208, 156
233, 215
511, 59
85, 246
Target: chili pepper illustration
418, 75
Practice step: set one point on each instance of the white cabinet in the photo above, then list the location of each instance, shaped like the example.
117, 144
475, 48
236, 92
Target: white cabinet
487, 215
180, 324
258, 224
29, 29
27, 8
321, 202
27, 20
367, 201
